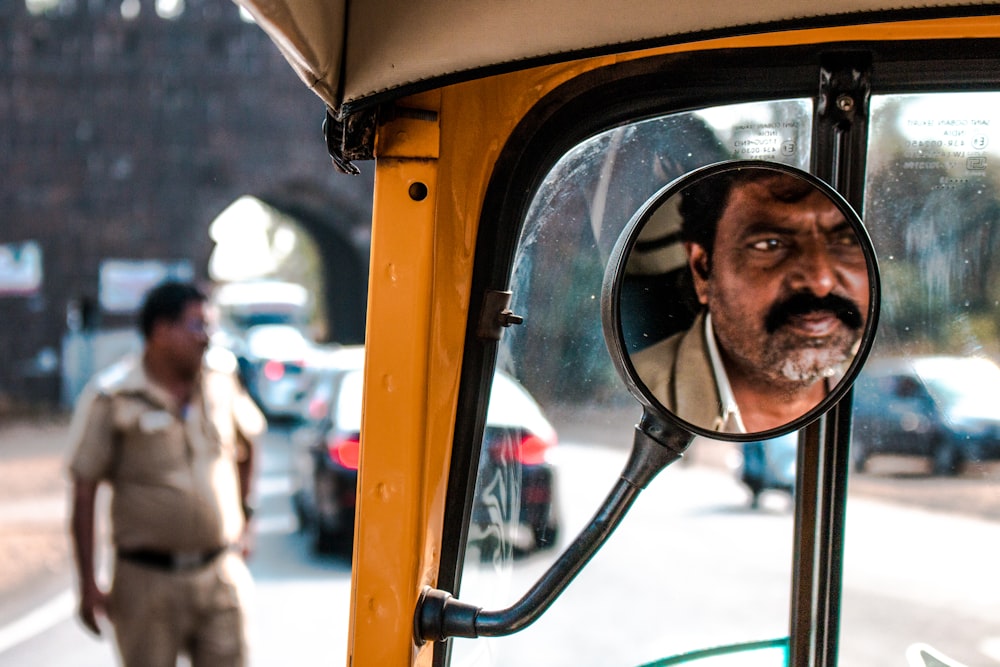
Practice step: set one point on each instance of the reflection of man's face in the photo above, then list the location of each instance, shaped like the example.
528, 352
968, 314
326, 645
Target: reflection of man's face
786, 283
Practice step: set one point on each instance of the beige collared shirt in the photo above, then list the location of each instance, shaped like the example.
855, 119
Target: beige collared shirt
686, 374
172, 469
682, 376
730, 418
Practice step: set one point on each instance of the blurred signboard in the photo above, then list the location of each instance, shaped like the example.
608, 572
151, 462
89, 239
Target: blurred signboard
124, 282
20, 268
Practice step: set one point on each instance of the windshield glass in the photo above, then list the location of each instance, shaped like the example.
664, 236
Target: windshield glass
923, 498
689, 518
922, 493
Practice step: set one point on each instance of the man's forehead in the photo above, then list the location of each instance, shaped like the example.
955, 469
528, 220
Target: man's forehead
777, 187
782, 196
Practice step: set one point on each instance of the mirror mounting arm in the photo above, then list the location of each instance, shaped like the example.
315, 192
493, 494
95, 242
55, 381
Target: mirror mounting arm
439, 615
654, 448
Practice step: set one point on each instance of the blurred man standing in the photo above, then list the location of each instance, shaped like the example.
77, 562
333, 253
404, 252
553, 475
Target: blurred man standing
171, 432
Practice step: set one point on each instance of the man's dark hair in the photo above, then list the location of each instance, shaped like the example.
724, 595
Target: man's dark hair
703, 202
167, 301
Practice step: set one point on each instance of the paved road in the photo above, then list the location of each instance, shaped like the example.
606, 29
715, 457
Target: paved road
300, 612
679, 564
34, 549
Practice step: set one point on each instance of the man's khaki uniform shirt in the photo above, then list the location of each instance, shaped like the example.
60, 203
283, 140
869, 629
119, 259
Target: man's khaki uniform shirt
175, 479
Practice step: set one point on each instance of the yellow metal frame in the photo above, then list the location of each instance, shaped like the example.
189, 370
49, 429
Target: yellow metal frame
419, 292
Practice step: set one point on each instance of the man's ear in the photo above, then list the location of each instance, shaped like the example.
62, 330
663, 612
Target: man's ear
698, 262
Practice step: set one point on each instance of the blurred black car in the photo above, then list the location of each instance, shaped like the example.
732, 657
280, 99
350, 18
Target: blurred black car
946, 409
516, 480
326, 449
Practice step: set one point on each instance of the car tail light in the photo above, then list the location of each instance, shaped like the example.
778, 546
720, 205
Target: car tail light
533, 450
529, 450
317, 408
274, 370
345, 451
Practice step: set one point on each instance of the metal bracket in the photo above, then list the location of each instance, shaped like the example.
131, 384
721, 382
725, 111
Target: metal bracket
839, 144
496, 315
350, 138
844, 88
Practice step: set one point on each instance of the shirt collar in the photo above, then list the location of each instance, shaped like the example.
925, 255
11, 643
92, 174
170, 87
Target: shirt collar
730, 418
129, 376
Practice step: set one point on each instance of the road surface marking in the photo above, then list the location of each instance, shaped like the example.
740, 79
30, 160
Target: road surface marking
37, 621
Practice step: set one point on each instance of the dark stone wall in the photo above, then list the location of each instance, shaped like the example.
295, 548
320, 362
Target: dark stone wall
125, 137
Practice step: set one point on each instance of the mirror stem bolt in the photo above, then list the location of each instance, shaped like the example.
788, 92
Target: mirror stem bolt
496, 315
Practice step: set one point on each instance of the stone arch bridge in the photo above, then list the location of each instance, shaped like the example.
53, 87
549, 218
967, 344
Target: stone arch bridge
126, 127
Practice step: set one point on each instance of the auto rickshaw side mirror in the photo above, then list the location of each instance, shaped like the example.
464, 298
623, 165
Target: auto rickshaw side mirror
782, 290
772, 302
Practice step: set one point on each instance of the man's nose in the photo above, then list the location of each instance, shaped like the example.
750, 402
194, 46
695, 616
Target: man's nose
813, 269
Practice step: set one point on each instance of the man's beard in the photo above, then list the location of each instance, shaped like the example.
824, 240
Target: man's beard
802, 360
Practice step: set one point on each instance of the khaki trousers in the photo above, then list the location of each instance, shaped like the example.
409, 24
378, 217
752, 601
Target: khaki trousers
159, 615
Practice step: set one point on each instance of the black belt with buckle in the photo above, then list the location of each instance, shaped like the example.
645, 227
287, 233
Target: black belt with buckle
170, 561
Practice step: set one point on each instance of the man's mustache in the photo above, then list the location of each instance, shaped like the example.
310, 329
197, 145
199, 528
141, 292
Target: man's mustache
804, 303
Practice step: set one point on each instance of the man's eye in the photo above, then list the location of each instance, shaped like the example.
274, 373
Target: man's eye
848, 240
767, 245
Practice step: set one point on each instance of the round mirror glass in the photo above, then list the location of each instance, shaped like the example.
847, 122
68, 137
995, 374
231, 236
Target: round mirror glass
741, 300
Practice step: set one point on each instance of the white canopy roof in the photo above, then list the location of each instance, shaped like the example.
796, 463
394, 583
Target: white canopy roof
352, 53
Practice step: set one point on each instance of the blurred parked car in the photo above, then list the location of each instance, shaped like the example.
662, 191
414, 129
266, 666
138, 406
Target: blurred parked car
769, 465
277, 366
516, 478
242, 306
326, 453
329, 365
942, 408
